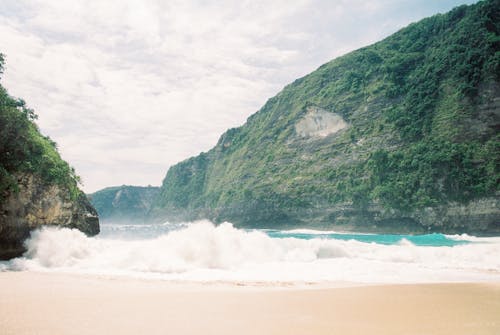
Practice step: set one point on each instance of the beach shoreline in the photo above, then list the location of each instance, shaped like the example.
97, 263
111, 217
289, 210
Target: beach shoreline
53, 303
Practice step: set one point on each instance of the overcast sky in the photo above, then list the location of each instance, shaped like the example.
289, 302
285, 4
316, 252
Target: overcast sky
128, 88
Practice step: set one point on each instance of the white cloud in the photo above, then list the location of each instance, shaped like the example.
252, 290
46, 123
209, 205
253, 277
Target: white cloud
128, 88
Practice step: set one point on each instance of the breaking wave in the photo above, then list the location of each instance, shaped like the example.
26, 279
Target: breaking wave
204, 252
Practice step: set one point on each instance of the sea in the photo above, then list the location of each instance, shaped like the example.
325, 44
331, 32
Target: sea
204, 252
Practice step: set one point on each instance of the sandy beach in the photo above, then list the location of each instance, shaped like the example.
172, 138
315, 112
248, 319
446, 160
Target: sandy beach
42, 303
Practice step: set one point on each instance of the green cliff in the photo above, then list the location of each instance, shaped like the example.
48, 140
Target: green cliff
36, 186
402, 135
128, 204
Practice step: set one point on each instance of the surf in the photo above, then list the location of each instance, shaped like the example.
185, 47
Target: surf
203, 251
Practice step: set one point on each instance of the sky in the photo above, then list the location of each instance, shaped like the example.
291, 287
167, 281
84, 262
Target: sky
128, 88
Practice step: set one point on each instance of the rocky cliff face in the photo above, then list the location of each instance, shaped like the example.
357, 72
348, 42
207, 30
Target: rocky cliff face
480, 217
38, 204
402, 135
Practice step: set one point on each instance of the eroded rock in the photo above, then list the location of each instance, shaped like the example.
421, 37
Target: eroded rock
37, 204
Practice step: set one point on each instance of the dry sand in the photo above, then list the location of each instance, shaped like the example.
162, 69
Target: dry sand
37, 303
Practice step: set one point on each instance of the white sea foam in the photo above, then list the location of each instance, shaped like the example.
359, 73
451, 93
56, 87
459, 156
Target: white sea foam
469, 238
204, 252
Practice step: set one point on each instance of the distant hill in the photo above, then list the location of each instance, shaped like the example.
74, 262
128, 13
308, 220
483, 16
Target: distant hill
124, 203
402, 135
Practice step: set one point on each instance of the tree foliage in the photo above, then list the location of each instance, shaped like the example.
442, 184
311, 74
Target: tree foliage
24, 150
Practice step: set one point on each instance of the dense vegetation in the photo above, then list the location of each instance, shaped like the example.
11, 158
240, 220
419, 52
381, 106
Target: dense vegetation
24, 150
124, 203
423, 130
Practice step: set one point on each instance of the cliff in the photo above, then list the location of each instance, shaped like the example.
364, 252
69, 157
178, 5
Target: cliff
37, 204
401, 135
127, 204
37, 187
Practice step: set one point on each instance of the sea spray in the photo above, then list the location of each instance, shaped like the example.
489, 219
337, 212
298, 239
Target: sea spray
203, 251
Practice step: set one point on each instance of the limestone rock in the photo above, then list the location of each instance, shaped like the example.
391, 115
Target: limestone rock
37, 204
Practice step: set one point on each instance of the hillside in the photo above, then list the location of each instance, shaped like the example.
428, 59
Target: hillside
124, 203
37, 187
402, 135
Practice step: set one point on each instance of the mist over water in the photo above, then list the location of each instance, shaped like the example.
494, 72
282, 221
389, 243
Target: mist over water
204, 252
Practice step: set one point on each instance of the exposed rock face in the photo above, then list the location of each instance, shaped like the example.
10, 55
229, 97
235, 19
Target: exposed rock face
479, 217
319, 123
36, 205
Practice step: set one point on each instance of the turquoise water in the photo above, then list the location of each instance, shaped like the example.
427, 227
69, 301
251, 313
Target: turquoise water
149, 231
433, 240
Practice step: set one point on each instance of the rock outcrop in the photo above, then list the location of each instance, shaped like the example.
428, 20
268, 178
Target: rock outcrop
38, 204
319, 123
37, 187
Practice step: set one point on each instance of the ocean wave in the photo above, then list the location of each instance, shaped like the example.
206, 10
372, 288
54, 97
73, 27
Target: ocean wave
203, 252
470, 238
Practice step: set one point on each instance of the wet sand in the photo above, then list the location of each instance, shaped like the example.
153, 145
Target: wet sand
40, 303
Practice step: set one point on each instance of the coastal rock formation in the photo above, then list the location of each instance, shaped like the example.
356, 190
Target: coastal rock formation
37, 187
38, 204
399, 136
